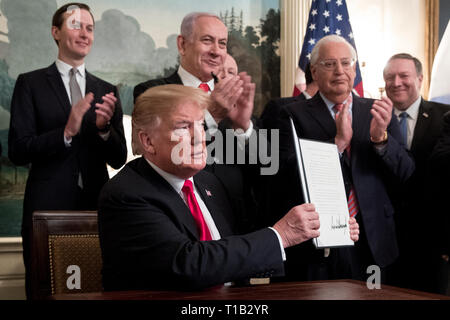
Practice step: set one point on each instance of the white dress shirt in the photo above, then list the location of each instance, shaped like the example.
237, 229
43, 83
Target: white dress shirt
191, 81
306, 94
330, 106
64, 70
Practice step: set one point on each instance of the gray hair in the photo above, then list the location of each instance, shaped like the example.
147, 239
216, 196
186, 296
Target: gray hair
406, 56
327, 39
187, 25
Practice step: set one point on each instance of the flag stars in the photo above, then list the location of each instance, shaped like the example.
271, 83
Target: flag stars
326, 17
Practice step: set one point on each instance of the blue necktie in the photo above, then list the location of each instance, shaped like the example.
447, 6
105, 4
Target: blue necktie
404, 127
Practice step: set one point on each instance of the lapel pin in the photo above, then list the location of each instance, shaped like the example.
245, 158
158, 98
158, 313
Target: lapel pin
425, 115
208, 193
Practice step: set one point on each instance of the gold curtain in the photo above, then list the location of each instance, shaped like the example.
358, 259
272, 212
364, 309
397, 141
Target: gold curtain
431, 41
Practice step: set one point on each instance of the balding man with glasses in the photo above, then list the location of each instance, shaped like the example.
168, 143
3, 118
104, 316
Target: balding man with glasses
368, 141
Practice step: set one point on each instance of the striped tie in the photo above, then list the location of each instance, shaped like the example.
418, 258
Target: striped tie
352, 203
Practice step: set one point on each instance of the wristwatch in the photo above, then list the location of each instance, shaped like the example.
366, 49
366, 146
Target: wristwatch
382, 141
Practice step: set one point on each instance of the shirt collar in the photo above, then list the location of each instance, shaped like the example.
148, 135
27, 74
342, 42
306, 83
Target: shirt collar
330, 104
306, 94
65, 68
176, 182
412, 110
191, 80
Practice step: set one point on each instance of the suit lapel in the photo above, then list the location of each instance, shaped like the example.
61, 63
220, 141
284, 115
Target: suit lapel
360, 125
422, 125
92, 85
57, 85
319, 111
174, 79
180, 209
216, 212
360, 120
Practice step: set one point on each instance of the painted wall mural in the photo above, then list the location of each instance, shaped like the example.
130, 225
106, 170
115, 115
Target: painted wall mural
135, 40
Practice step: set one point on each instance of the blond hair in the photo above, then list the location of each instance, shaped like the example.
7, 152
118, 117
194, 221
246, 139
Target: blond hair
159, 101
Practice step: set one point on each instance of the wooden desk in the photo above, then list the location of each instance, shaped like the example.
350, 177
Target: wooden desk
315, 290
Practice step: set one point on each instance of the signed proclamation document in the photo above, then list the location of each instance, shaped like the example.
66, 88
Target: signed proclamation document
323, 185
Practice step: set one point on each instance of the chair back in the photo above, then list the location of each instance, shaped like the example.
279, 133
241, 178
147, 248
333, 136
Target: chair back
66, 255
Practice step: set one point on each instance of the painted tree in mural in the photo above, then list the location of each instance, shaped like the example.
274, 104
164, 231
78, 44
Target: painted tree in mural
6, 86
255, 50
270, 32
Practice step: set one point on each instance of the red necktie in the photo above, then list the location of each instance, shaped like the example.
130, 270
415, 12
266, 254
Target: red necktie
204, 87
352, 202
188, 190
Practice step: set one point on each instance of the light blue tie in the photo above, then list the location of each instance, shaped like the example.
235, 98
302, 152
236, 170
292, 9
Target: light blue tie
404, 128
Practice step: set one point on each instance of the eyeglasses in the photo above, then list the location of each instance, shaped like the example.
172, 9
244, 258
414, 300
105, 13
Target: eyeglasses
331, 64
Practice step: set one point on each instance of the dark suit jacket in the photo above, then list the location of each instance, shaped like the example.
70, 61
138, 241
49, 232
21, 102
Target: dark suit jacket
149, 238
420, 218
440, 171
40, 109
243, 182
368, 170
413, 198
440, 156
271, 113
141, 87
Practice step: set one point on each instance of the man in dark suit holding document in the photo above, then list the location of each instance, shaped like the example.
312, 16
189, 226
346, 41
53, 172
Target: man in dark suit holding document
367, 140
166, 223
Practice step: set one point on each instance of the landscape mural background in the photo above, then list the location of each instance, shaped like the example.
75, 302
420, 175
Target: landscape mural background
135, 40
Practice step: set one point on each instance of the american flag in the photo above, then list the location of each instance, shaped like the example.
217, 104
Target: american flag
328, 17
